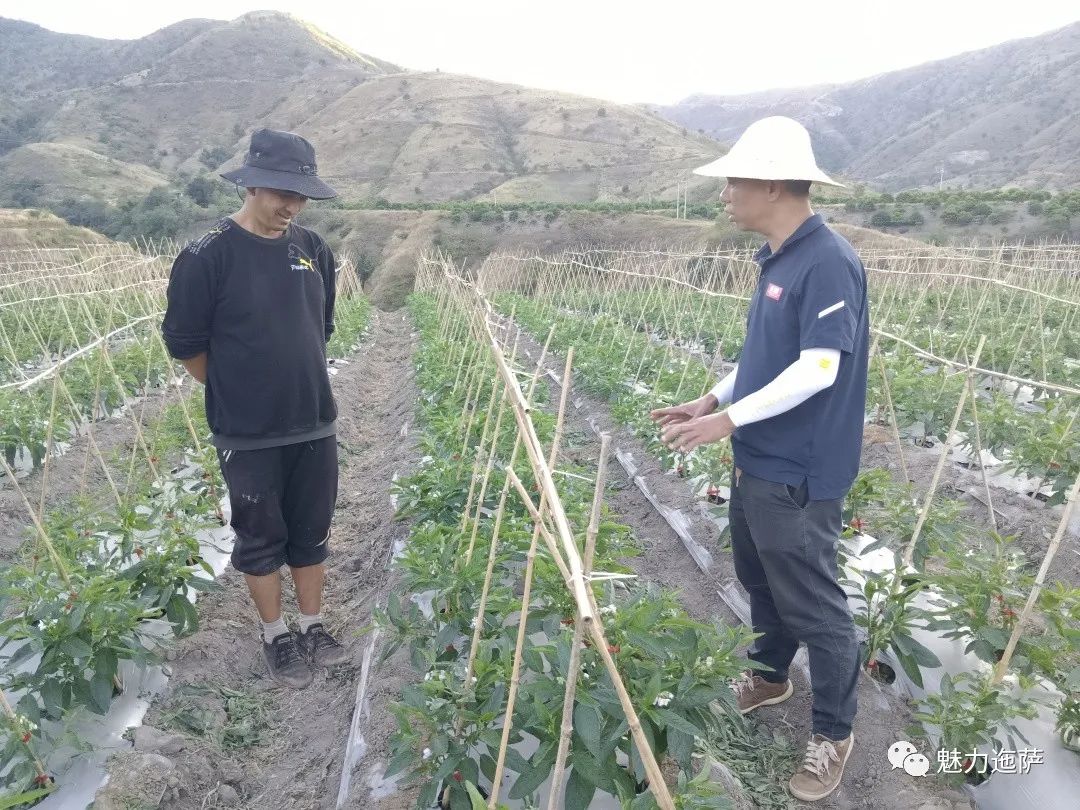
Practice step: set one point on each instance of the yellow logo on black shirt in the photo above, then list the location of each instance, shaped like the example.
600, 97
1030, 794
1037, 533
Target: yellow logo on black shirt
299, 260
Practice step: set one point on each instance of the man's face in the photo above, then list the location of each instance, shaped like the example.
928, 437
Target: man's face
746, 202
276, 209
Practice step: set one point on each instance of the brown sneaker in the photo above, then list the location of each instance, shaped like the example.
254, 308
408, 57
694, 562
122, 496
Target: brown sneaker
822, 768
752, 691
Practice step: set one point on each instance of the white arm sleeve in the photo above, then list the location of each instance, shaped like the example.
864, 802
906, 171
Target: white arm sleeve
725, 389
814, 371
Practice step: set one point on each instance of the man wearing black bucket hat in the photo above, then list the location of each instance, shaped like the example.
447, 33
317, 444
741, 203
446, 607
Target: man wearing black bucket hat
250, 308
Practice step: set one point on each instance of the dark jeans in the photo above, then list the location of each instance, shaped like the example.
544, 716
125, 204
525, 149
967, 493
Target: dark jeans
282, 502
784, 547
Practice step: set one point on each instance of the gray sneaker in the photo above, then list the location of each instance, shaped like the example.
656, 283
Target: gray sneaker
320, 648
284, 662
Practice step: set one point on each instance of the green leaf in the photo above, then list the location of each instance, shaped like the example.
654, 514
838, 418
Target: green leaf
587, 725
579, 792
191, 616
24, 652
29, 797
428, 794
675, 720
946, 688
997, 636
106, 663
487, 767
174, 612
911, 667
101, 693
52, 697
399, 762
28, 707
698, 696
680, 747
984, 650
477, 800
530, 780
1072, 680
495, 702
923, 655
76, 648
393, 608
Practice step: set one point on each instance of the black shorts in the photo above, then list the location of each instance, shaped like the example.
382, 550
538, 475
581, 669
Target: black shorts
282, 503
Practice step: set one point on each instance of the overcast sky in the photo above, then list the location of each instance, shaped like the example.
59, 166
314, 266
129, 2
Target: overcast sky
623, 51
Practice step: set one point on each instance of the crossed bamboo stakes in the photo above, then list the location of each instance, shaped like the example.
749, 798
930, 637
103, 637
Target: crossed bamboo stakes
550, 522
553, 286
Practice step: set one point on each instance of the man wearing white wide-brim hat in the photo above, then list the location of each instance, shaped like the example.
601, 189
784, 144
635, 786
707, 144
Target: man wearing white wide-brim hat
797, 403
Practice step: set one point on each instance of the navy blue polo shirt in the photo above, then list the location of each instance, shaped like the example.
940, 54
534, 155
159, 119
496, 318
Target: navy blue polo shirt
811, 294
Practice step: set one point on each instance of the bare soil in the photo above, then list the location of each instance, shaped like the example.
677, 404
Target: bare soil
298, 762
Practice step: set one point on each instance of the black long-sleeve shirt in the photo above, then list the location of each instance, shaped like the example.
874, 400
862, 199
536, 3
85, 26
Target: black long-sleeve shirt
263, 310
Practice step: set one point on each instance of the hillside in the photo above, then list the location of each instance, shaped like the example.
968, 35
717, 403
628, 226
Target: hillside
27, 227
999, 116
182, 102
47, 173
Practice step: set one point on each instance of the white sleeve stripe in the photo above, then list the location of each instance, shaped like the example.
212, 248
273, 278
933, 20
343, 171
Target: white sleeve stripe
830, 310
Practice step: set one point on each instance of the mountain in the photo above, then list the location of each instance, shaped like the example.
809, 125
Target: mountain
183, 101
1005, 115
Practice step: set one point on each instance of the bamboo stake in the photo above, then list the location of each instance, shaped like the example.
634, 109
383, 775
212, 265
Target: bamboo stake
574, 666
909, 550
979, 451
489, 464
886, 387
1070, 504
526, 596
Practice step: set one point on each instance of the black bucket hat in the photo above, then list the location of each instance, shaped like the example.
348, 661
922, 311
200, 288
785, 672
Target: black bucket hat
281, 161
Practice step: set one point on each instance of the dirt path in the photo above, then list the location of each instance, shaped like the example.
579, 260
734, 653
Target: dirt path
263, 746
883, 716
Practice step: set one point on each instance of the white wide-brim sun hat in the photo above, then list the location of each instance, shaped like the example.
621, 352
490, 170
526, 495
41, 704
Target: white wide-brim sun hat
774, 148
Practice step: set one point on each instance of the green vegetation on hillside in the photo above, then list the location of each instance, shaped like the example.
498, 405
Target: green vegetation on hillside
1016, 212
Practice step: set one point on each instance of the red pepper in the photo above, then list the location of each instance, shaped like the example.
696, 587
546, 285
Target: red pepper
41, 779
613, 649
25, 737
457, 776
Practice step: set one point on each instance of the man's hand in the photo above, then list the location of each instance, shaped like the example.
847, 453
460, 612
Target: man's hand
686, 435
678, 414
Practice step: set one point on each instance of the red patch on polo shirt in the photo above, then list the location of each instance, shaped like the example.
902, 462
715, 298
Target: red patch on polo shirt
774, 292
